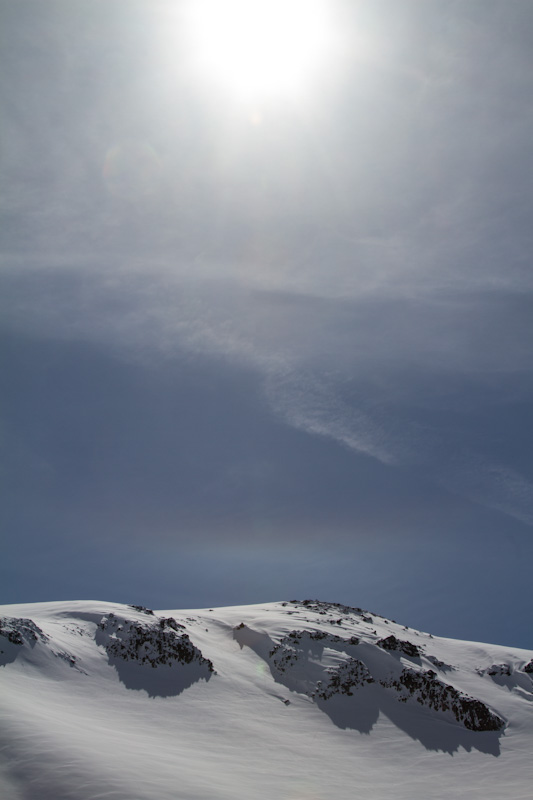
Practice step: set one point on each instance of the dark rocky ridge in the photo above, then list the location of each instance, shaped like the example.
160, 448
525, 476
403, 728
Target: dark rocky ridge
352, 674
155, 643
407, 648
423, 686
429, 691
499, 670
19, 630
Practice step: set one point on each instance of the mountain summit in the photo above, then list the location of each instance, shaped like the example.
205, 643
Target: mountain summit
296, 699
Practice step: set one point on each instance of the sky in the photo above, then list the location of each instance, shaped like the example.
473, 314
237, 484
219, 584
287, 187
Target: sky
267, 332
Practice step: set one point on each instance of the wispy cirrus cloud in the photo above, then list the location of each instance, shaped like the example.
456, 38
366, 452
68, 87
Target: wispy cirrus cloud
411, 383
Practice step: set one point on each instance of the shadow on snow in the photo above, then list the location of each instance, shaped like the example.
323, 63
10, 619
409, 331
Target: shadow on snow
360, 710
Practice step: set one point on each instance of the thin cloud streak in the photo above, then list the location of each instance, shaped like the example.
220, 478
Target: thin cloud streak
352, 399
309, 404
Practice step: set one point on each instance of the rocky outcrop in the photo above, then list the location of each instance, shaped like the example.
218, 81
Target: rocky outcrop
499, 671
20, 630
297, 644
429, 691
437, 662
142, 609
296, 661
324, 608
154, 644
529, 667
350, 675
405, 647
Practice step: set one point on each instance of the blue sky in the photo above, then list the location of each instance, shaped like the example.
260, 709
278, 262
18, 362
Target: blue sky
270, 348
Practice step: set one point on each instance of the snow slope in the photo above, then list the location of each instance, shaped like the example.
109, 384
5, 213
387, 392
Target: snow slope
296, 700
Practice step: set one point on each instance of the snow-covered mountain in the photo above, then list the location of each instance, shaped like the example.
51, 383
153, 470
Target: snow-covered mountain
297, 700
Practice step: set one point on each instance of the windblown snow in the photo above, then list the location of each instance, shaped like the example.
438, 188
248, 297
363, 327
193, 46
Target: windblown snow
298, 700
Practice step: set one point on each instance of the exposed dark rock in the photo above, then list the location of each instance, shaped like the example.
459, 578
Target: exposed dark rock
499, 670
71, 660
170, 622
294, 643
284, 657
20, 630
351, 674
529, 667
143, 609
153, 644
407, 648
428, 690
439, 664
322, 607
296, 661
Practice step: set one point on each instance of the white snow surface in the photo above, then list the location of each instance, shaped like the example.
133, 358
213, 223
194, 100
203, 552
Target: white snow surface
100, 700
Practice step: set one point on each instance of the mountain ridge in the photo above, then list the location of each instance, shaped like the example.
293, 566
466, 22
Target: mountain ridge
338, 678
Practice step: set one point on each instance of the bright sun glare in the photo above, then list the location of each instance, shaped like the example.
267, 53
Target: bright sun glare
259, 48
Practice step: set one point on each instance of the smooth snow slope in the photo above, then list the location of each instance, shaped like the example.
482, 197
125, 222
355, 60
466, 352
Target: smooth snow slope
303, 701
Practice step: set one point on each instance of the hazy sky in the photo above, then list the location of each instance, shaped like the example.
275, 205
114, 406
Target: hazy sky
276, 341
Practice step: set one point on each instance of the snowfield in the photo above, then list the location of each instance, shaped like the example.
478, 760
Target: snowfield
290, 700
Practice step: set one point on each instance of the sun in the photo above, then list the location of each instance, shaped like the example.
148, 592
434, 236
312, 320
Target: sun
259, 48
